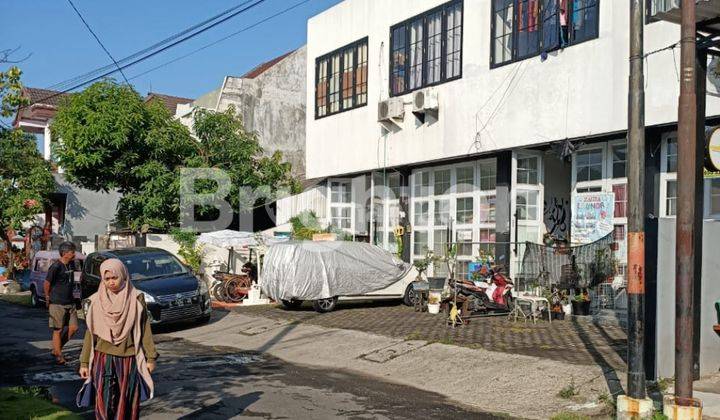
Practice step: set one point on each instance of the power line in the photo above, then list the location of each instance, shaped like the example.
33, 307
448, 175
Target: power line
158, 44
152, 54
87, 25
260, 22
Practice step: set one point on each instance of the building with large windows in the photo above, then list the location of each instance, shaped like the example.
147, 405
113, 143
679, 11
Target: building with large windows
492, 114
479, 122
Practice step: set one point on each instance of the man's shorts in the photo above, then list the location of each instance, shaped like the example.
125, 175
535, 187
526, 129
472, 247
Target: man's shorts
62, 316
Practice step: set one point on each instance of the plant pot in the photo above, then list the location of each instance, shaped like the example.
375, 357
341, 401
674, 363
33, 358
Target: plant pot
433, 308
581, 308
567, 309
558, 315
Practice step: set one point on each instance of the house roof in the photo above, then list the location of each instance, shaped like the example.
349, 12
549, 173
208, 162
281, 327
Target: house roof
170, 102
262, 68
44, 96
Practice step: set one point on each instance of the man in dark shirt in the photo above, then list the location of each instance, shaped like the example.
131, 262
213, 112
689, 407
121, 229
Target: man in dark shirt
59, 285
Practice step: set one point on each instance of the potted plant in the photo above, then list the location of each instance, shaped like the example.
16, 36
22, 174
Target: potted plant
423, 264
556, 299
581, 303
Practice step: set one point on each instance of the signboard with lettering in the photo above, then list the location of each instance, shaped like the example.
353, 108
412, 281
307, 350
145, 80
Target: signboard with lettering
592, 216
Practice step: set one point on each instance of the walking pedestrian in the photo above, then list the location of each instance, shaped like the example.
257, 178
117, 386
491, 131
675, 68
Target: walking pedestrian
59, 300
118, 352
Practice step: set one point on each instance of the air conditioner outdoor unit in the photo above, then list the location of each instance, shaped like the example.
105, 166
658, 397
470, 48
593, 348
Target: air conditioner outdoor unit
391, 110
425, 101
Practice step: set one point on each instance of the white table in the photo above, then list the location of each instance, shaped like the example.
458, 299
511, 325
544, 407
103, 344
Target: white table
534, 307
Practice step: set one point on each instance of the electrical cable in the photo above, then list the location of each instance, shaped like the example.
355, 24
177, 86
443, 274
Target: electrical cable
87, 25
158, 44
504, 96
152, 54
260, 22
487, 101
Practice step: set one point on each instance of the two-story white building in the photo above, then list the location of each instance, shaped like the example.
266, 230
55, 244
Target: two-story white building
478, 121
431, 94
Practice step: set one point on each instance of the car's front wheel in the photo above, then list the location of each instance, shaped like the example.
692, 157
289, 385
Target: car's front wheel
325, 305
410, 296
34, 299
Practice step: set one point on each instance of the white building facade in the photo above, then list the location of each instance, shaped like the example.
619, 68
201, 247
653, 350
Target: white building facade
479, 121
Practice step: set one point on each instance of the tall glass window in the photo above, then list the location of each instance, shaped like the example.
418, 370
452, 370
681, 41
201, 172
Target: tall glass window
341, 79
426, 49
525, 28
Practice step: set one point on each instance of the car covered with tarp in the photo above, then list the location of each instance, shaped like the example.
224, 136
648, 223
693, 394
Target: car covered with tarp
324, 272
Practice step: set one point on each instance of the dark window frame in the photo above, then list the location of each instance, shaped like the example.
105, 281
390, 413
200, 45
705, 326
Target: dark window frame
648, 13
442, 9
340, 52
514, 33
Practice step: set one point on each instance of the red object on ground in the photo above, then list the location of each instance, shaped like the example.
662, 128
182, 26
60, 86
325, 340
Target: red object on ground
224, 305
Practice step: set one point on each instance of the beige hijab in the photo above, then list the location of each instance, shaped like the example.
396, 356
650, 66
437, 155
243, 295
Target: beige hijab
114, 317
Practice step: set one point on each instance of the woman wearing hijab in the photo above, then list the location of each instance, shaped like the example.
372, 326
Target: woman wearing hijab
118, 354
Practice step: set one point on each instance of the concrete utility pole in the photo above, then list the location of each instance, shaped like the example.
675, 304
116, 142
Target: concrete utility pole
636, 403
684, 242
636, 197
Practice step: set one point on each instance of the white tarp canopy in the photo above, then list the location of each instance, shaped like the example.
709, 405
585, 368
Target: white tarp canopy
235, 239
319, 270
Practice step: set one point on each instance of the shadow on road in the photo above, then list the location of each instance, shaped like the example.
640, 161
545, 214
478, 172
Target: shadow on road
180, 326
611, 378
226, 407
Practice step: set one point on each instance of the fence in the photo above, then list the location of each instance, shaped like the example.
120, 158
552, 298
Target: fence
533, 265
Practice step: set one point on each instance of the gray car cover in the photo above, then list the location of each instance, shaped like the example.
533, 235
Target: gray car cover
308, 270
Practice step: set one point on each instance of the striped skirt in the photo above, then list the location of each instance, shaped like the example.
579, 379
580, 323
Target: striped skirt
117, 387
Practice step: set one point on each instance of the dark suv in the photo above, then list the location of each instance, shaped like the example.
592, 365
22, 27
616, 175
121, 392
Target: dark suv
172, 292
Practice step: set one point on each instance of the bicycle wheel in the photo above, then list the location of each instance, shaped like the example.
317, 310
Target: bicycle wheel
216, 292
234, 292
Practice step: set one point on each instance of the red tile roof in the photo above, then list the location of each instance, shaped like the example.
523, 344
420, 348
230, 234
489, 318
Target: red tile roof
170, 102
44, 96
262, 68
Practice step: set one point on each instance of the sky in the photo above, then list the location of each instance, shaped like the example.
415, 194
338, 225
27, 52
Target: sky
61, 48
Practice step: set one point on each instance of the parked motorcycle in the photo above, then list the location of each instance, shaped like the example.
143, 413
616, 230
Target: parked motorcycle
490, 296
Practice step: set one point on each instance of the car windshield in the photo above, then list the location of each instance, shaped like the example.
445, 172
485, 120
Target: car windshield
146, 266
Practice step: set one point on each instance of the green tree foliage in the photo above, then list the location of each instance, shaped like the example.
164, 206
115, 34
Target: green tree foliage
113, 140
26, 179
189, 251
225, 144
305, 225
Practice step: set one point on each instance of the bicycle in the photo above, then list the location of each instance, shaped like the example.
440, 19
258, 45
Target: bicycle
231, 287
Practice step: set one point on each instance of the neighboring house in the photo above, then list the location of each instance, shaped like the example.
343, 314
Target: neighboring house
479, 122
171, 102
75, 213
271, 102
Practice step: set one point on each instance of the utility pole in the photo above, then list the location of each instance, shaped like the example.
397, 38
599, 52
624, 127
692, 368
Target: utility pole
686, 179
683, 405
636, 216
636, 404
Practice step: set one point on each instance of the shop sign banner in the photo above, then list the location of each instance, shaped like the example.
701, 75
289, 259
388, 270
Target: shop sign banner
592, 216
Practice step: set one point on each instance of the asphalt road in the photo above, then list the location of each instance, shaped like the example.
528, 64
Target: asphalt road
211, 382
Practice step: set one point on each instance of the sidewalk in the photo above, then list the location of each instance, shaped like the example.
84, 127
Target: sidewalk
571, 341
513, 384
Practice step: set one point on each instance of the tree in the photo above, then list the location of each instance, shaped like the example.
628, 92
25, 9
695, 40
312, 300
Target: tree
224, 143
113, 140
26, 179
